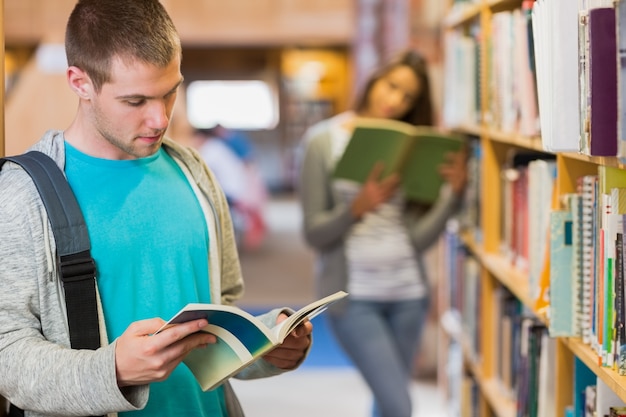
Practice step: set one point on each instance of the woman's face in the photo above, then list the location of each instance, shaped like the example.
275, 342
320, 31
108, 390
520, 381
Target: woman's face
392, 95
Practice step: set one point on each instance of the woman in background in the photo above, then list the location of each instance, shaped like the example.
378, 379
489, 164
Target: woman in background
369, 239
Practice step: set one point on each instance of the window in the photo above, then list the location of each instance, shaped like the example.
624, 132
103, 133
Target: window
247, 105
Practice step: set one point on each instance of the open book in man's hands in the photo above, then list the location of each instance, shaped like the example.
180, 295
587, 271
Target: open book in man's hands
414, 152
241, 337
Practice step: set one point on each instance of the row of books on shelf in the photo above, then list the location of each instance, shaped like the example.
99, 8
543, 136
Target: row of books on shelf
587, 266
462, 391
523, 349
581, 75
571, 249
510, 81
528, 189
461, 72
518, 336
594, 403
592, 396
553, 68
461, 292
470, 216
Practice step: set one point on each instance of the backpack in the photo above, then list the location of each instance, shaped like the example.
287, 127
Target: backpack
78, 269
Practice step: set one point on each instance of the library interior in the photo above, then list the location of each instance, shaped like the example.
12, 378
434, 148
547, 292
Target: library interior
527, 312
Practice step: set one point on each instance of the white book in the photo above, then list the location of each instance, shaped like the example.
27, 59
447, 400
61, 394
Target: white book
541, 176
587, 252
557, 74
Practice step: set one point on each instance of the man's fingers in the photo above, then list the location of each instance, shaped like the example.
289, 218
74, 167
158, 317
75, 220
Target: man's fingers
174, 333
145, 327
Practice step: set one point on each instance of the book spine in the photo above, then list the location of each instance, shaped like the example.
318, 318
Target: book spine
563, 294
587, 259
620, 13
577, 260
619, 304
603, 81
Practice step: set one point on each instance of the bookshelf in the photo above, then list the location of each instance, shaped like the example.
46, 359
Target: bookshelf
470, 30
3, 402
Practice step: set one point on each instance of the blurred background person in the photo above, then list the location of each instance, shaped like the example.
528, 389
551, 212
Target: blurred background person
241, 182
237, 141
370, 240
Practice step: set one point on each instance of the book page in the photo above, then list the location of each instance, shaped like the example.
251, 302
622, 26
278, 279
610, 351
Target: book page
216, 362
421, 180
249, 329
307, 312
372, 142
241, 337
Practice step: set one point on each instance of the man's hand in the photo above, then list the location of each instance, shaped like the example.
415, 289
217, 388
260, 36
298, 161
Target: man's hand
290, 353
142, 358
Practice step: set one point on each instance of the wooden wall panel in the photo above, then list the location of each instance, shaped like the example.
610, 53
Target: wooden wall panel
2, 19
3, 403
263, 22
41, 100
209, 22
29, 21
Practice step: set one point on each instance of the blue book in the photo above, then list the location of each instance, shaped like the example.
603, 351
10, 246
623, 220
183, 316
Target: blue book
583, 378
564, 299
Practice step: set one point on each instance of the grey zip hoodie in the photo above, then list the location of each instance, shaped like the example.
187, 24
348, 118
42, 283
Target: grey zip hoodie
38, 371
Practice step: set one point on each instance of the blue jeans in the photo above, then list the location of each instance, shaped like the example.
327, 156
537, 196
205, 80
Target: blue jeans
381, 339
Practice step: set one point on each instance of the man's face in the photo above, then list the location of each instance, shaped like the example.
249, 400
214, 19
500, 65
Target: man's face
130, 114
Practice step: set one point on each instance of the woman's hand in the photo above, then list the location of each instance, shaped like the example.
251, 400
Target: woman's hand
454, 170
374, 191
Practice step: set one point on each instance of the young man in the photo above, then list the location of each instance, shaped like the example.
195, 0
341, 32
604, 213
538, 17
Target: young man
160, 232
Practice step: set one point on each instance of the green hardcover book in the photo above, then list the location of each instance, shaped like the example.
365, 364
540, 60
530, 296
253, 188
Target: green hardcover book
415, 152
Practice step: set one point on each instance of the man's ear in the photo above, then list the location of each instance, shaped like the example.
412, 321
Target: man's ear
80, 82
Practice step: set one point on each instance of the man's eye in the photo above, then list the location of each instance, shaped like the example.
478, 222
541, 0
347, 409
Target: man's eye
135, 103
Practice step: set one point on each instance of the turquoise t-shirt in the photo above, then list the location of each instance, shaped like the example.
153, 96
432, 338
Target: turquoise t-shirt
150, 241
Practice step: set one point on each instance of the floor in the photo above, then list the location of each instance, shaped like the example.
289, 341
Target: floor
280, 273
324, 393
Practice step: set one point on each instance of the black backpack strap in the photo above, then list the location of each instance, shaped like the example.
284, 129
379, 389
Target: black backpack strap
78, 271
15, 412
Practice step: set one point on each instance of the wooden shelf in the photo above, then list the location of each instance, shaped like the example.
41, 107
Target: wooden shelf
496, 135
500, 405
493, 392
474, 130
586, 354
510, 277
514, 139
611, 161
461, 14
477, 20
500, 5
534, 143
